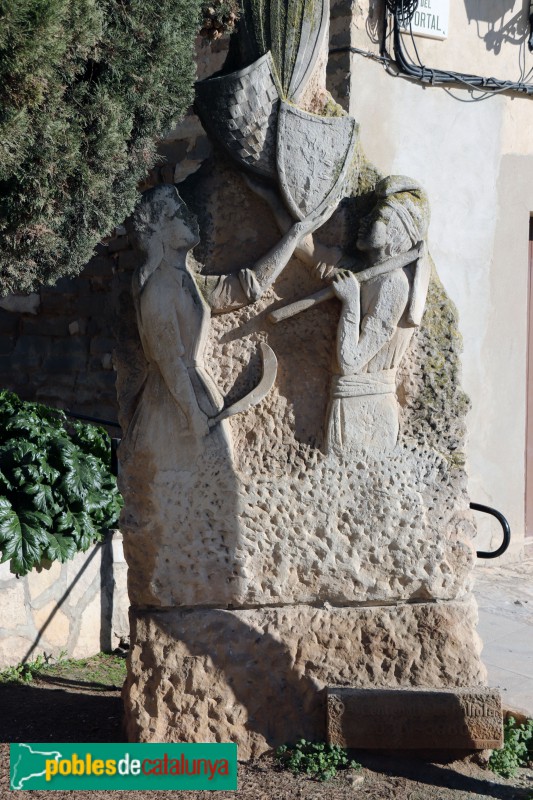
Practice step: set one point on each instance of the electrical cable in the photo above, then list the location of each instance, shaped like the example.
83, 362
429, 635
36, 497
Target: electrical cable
402, 12
437, 77
403, 9
384, 59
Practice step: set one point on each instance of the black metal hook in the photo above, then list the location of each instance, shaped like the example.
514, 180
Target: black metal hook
506, 531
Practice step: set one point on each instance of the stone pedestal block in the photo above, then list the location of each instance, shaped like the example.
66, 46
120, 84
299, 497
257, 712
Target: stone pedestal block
259, 677
415, 719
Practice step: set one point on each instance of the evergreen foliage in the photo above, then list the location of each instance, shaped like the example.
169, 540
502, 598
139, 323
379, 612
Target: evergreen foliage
57, 493
85, 88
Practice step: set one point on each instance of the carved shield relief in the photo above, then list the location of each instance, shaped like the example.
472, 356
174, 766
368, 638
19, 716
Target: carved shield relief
313, 157
239, 110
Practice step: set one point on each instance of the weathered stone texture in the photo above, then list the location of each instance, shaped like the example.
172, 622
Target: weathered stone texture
47, 355
290, 524
328, 532
258, 677
415, 719
262, 575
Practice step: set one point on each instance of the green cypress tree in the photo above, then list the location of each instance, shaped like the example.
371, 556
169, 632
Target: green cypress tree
85, 89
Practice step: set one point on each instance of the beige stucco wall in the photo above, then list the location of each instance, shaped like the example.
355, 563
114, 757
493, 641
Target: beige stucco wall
476, 161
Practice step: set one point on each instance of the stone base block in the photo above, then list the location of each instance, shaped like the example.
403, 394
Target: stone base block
259, 677
415, 719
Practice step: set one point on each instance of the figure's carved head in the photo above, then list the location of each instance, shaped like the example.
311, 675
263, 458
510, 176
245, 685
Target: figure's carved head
162, 214
399, 220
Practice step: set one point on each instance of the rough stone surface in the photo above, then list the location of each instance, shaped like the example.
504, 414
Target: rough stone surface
23, 304
13, 649
258, 677
53, 623
39, 580
13, 600
269, 558
415, 719
287, 523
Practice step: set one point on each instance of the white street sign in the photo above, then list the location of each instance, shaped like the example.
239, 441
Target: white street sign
431, 19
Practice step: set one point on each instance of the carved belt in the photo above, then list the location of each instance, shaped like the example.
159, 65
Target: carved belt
363, 384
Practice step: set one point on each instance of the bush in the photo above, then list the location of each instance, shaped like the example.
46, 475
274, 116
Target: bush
57, 493
517, 748
85, 88
317, 759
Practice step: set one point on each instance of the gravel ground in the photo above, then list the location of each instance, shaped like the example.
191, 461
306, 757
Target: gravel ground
61, 709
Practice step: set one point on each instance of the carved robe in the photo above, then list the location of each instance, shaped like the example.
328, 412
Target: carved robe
173, 319
173, 322
372, 340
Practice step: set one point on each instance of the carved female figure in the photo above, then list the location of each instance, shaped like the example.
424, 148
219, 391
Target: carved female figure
377, 321
178, 395
173, 306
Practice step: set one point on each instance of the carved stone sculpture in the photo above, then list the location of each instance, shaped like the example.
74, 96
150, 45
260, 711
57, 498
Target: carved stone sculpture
322, 536
179, 396
378, 317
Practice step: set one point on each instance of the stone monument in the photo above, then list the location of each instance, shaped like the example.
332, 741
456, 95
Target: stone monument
296, 514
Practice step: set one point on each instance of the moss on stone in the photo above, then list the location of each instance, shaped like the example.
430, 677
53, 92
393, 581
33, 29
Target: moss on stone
363, 175
434, 402
332, 109
277, 26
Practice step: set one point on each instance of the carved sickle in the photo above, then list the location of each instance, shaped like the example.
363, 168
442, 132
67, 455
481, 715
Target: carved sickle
396, 262
270, 368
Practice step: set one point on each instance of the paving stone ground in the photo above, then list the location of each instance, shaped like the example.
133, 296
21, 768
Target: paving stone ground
505, 599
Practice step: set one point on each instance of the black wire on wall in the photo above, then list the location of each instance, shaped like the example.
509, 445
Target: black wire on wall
402, 12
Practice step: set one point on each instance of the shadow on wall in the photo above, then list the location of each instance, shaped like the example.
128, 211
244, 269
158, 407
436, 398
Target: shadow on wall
375, 20
495, 25
232, 661
103, 552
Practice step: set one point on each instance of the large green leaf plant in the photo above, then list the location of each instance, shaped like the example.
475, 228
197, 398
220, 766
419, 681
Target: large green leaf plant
57, 492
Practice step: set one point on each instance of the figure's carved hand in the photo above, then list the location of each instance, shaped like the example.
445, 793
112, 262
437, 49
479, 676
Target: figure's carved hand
325, 272
346, 287
316, 219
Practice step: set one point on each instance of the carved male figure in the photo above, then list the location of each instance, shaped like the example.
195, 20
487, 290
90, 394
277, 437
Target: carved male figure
382, 303
378, 318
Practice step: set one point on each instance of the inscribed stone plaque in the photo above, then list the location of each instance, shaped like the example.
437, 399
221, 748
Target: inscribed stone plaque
415, 719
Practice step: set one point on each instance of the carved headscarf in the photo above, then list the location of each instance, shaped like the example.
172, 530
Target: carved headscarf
409, 202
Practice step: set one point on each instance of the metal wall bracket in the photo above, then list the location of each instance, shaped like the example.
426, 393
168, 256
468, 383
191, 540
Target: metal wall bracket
506, 531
